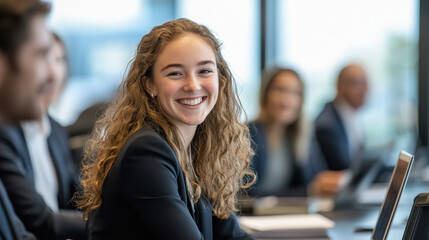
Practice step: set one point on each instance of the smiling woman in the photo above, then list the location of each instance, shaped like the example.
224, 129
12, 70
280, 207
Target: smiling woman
185, 82
158, 164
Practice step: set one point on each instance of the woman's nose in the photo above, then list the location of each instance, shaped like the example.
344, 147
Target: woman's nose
192, 83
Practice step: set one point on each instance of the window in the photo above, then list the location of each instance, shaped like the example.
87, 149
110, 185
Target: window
101, 38
236, 25
319, 37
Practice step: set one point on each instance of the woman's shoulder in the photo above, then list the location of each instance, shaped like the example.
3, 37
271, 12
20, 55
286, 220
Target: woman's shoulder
256, 130
255, 127
147, 137
147, 159
147, 143
145, 133
254, 123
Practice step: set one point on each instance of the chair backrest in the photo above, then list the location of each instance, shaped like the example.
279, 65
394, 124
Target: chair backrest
418, 221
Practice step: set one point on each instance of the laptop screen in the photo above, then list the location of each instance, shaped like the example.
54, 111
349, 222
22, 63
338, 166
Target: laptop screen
393, 193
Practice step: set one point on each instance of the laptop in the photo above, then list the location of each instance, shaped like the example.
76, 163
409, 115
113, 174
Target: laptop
396, 185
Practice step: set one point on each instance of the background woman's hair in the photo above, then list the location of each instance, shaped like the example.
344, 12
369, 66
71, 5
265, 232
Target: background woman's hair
220, 151
268, 76
60, 41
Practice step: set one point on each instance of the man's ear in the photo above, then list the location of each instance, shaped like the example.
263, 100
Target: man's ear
148, 86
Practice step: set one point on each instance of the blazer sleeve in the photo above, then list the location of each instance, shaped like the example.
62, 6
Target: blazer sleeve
37, 217
316, 162
11, 226
228, 229
333, 147
148, 175
257, 163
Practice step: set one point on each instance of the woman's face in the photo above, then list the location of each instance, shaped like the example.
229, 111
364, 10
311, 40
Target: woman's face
58, 65
185, 80
284, 98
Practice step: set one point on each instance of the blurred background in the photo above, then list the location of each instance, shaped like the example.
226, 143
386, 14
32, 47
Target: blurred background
315, 37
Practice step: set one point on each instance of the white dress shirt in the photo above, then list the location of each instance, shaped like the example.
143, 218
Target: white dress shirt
350, 118
36, 135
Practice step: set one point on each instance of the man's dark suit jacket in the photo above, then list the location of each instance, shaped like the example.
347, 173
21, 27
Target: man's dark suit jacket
145, 196
11, 228
16, 172
332, 137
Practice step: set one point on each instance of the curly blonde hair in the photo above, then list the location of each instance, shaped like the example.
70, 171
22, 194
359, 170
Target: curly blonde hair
217, 160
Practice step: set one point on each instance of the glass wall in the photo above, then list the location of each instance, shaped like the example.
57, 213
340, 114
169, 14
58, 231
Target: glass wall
320, 37
102, 36
316, 37
236, 24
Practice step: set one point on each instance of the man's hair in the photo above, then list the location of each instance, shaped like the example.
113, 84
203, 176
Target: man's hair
15, 19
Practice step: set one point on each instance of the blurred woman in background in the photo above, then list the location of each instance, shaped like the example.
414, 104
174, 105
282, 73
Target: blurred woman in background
286, 153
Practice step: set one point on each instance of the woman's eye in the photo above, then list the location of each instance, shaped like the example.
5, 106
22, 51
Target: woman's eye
205, 71
173, 74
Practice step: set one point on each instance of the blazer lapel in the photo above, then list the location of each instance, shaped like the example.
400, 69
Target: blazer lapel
56, 155
204, 217
18, 139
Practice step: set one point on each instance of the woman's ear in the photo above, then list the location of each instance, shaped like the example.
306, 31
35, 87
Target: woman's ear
148, 86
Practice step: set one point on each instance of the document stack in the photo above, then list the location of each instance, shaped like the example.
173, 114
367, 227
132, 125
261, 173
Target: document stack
300, 226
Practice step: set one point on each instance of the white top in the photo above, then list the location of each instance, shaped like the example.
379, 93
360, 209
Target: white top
36, 135
350, 118
279, 169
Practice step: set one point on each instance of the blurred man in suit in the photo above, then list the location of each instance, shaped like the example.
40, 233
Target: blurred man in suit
337, 127
24, 74
37, 167
24, 69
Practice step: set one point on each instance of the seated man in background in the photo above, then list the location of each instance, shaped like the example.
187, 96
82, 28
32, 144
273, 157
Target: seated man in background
337, 128
36, 166
24, 43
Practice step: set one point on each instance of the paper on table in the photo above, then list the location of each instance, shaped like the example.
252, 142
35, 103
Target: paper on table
286, 222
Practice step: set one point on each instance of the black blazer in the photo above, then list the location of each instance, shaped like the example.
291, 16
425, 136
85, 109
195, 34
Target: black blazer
11, 228
144, 196
332, 137
16, 172
303, 173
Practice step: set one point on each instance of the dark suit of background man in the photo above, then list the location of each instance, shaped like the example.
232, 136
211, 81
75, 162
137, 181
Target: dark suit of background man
47, 218
24, 74
36, 165
337, 128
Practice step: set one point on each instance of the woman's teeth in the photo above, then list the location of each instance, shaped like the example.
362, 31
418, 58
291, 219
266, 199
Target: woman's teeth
192, 102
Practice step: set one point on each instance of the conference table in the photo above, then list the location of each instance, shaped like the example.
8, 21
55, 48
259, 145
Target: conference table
354, 222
